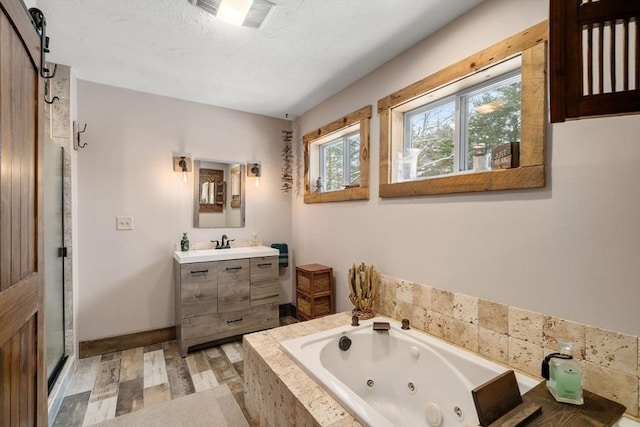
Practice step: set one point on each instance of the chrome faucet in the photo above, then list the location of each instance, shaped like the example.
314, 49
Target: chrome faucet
223, 243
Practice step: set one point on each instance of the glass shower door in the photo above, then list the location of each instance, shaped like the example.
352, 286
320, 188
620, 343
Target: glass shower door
54, 253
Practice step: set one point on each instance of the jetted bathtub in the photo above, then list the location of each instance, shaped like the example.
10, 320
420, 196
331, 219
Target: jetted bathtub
397, 377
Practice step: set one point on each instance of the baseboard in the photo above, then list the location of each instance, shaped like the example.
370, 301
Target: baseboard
124, 342
140, 339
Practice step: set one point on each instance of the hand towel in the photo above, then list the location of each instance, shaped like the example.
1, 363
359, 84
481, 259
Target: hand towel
283, 259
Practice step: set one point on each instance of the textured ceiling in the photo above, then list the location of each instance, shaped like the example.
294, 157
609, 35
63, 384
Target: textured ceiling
305, 52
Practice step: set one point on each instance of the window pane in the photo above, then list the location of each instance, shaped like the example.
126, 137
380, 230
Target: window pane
333, 168
353, 142
493, 116
429, 150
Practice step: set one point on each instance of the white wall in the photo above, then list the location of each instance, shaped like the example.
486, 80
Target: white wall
125, 277
571, 249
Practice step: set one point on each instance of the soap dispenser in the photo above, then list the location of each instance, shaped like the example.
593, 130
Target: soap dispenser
184, 243
564, 375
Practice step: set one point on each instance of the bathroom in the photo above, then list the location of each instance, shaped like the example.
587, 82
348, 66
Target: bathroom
569, 250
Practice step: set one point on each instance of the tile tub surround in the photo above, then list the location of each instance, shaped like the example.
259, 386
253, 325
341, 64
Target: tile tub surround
516, 337
279, 392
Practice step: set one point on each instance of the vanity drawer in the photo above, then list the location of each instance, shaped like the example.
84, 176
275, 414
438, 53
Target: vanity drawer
239, 322
265, 293
198, 272
264, 269
235, 270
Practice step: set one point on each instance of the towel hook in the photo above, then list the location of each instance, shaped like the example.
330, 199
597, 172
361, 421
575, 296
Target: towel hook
46, 93
77, 144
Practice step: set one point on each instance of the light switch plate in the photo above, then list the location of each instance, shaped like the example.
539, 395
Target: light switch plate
124, 223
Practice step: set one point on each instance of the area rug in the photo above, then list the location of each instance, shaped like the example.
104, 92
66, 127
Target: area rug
215, 407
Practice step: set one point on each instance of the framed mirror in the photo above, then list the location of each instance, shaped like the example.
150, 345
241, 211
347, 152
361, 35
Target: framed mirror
218, 197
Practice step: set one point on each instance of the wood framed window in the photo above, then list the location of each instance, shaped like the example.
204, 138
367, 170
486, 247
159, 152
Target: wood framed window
530, 45
336, 159
594, 58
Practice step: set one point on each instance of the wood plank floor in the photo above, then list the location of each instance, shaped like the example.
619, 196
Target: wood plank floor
121, 382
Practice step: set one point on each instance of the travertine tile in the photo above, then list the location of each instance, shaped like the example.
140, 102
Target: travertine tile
404, 291
258, 340
612, 350
493, 316
555, 329
463, 334
613, 384
494, 345
439, 324
419, 318
303, 417
442, 301
325, 410
422, 295
526, 325
278, 361
346, 421
403, 310
525, 356
465, 308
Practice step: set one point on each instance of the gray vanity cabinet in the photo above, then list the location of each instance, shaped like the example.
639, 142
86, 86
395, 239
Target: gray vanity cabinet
219, 299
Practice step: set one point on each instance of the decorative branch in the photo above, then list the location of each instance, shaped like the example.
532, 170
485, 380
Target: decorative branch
286, 176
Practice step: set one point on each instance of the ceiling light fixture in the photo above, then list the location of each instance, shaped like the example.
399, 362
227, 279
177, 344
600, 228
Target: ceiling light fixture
247, 13
233, 11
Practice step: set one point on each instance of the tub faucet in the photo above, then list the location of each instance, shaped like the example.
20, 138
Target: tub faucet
405, 324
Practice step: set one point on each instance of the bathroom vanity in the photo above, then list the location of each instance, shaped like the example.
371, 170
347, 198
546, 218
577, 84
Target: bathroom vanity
220, 293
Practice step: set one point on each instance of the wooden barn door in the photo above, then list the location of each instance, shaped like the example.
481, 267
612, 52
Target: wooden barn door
23, 395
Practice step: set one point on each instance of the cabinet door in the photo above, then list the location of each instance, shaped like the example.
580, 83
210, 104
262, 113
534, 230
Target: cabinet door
233, 285
198, 289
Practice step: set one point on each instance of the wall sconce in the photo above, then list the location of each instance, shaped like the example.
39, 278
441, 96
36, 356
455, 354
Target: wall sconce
254, 170
182, 164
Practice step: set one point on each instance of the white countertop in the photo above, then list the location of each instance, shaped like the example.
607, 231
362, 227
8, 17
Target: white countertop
203, 255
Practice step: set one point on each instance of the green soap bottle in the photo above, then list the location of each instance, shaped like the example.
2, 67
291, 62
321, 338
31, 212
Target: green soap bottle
184, 243
565, 376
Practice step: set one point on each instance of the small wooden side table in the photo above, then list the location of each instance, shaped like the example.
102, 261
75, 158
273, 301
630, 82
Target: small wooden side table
314, 291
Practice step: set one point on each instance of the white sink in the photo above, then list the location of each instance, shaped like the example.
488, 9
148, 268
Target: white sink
203, 255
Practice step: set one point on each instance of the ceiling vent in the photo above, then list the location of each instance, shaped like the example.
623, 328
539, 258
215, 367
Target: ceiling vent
255, 18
